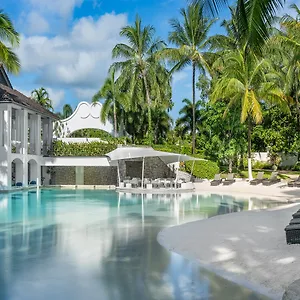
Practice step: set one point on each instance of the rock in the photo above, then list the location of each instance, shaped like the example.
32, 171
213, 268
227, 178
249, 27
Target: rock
293, 291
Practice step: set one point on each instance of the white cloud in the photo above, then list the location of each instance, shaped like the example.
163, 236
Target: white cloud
62, 8
35, 23
56, 96
85, 94
179, 76
78, 59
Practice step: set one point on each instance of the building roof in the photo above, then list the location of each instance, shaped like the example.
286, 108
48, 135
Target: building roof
4, 78
8, 94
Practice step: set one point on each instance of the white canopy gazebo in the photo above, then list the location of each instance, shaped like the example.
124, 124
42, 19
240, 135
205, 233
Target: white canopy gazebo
125, 153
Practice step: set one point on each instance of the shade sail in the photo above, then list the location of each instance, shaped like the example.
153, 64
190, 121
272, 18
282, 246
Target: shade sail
124, 153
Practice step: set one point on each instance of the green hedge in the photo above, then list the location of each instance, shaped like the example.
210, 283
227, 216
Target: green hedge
203, 168
82, 149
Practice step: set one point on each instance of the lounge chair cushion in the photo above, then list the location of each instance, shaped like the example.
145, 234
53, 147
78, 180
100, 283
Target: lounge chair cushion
292, 234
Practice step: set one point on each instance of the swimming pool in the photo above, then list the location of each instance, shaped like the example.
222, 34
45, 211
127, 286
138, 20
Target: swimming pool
81, 244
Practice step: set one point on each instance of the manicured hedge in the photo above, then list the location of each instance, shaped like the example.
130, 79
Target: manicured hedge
184, 149
82, 149
203, 168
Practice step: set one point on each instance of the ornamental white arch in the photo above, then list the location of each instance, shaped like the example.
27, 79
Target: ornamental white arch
85, 116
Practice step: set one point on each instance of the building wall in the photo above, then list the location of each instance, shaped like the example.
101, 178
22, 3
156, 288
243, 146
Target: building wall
84, 176
100, 175
63, 176
287, 160
154, 168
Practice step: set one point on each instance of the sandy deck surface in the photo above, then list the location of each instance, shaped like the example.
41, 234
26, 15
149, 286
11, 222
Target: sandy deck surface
279, 191
247, 247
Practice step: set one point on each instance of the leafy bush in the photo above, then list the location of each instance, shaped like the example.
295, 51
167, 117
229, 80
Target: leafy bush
203, 168
82, 149
184, 149
261, 165
296, 167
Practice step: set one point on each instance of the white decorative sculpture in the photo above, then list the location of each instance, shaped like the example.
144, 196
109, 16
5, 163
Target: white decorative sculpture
85, 116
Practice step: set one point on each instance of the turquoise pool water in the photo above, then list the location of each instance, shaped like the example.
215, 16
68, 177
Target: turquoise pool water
80, 244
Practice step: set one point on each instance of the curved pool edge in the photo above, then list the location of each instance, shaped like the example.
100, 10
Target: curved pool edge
167, 242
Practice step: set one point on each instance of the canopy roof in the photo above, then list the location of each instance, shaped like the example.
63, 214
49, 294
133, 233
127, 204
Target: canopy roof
123, 153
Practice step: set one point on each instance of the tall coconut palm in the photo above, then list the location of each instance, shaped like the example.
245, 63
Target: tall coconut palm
42, 97
162, 124
9, 38
254, 19
67, 111
140, 65
114, 100
245, 82
185, 120
190, 36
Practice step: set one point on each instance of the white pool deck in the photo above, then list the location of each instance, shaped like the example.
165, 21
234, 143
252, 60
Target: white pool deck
247, 247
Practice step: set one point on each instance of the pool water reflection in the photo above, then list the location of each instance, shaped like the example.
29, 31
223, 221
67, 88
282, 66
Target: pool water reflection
80, 244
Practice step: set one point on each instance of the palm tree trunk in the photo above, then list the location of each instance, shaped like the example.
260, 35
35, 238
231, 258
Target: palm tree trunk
115, 119
249, 150
194, 111
230, 165
149, 109
298, 109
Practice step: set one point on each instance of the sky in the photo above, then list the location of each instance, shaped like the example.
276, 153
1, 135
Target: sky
66, 44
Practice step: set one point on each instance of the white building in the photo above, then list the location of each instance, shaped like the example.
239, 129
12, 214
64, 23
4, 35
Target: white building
26, 136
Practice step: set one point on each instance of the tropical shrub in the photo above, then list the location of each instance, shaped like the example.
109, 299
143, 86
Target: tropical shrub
258, 165
203, 168
82, 149
296, 167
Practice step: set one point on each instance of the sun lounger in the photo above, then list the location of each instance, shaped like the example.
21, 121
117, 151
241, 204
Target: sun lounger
217, 180
32, 182
259, 179
229, 180
273, 179
19, 184
294, 183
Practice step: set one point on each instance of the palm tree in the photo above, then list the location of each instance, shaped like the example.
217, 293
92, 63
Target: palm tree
9, 38
246, 82
254, 19
285, 50
185, 121
114, 100
67, 111
190, 37
162, 124
42, 97
140, 66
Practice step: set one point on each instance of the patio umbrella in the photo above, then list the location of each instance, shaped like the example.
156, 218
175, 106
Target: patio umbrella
123, 153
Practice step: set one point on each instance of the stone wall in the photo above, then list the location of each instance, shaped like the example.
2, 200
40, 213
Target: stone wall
64, 176
134, 169
154, 168
91, 176
100, 175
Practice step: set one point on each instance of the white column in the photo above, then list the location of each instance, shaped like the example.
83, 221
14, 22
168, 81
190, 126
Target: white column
7, 129
32, 128
50, 132
24, 133
45, 135
38, 130
1, 128
19, 120
5, 170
